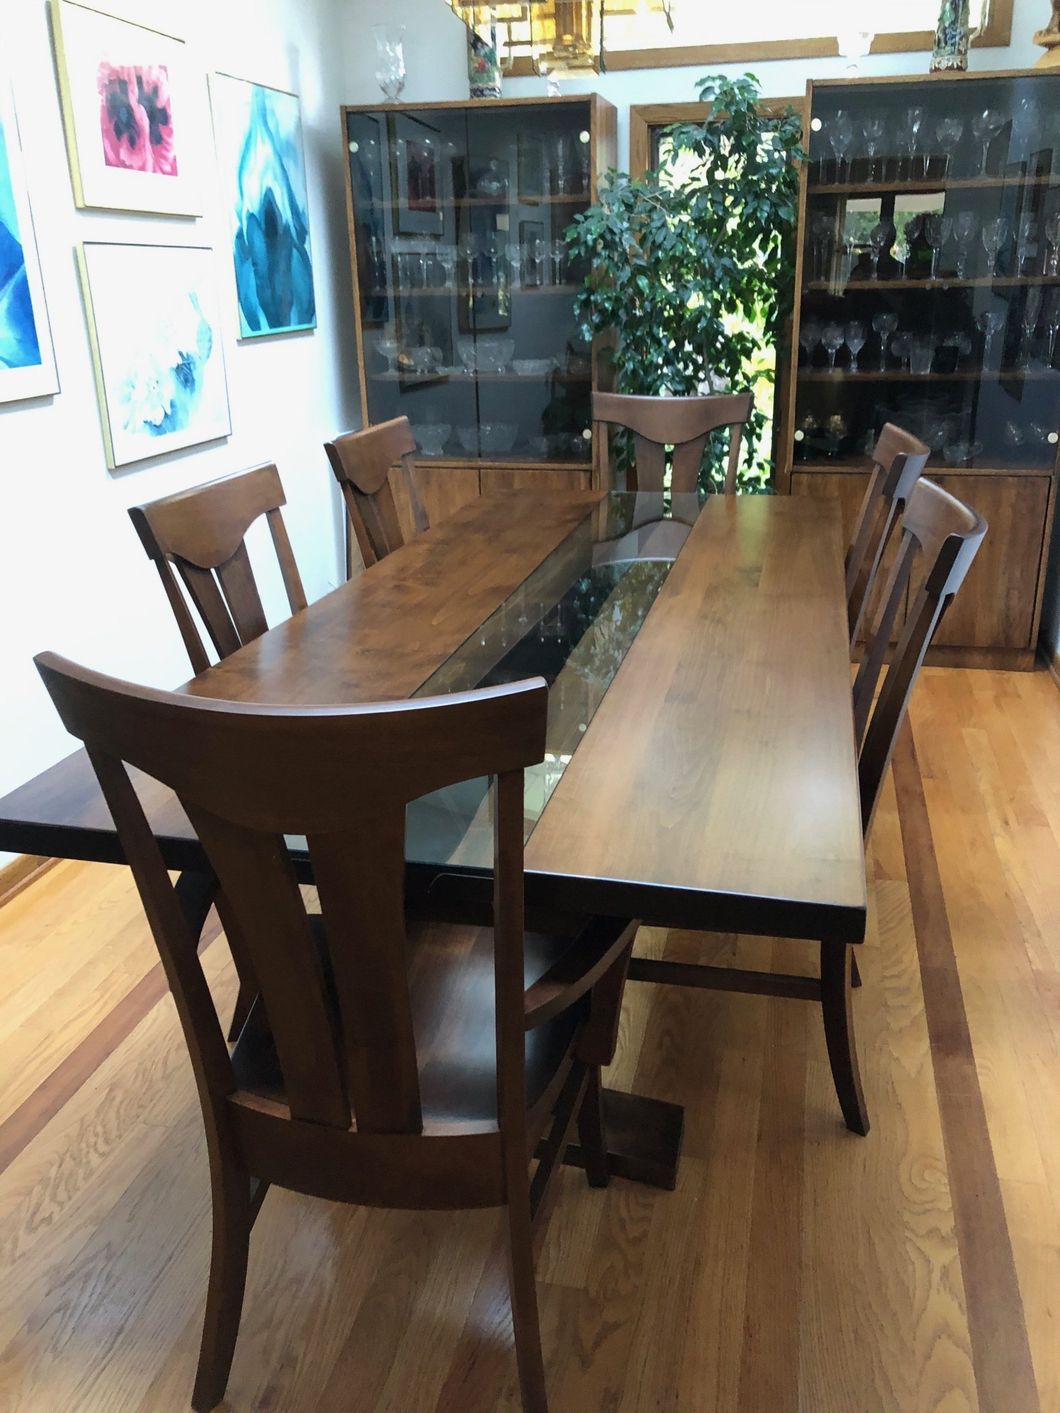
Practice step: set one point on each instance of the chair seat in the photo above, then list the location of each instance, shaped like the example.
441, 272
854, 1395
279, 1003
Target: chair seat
452, 992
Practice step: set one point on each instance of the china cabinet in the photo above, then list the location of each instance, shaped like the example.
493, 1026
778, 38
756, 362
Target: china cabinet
464, 289
929, 295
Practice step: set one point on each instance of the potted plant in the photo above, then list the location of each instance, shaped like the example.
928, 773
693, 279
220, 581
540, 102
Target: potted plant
692, 265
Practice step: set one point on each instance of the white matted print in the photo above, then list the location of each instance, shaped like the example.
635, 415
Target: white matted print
135, 112
156, 341
27, 360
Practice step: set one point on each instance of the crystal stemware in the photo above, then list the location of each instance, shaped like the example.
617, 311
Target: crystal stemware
1032, 307
822, 234
873, 130
390, 59
966, 230
1026, 125
885, 325
902, 347
995, 235
990, 323
809, 338
985, 127
908, 136
855, 340
841, 136
937, 232
1026, 237
949, 132
1052, 325
558, 255
921, 354
1051, 231
833, 340
881, 238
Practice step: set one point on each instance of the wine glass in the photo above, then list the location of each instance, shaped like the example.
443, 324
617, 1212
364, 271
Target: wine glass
1026, 237
967, 229
1052, 236
1026, 122
390, 59
855, 341
809, 337
990, 323
921, 354
937, 232
880, 238
949, 132
885, 325
833, 340
1032, 307
902, 347
908, 136
985, 127
558, 254
841, 137
822, 233
1052, 325
874, 130
995, 235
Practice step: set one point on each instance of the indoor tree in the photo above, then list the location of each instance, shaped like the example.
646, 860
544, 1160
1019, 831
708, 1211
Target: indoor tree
692, 265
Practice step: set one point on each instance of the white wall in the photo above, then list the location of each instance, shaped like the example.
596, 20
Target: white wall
73, 575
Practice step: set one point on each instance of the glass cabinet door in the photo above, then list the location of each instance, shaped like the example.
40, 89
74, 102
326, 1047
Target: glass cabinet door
931, 272
465, 285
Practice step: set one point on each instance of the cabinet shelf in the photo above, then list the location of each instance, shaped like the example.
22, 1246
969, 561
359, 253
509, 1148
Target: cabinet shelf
929, 184
452, 203
466, 292
941, 282
829, 375
530, 379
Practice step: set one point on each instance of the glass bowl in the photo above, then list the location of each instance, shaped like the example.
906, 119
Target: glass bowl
961, 453
468, 439
431, 437
494, 355
468, 354
497, 437
533, 367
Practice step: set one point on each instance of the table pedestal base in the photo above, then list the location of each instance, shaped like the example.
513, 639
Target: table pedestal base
643, 1139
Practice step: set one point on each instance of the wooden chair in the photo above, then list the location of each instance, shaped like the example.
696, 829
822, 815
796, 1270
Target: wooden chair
940, 537
202, 532
684, 423
898, 459
361, 462
389, 1071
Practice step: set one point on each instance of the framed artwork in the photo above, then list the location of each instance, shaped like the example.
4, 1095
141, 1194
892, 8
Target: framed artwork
156, 342
135, 113
258, 132
417, 177
27, 359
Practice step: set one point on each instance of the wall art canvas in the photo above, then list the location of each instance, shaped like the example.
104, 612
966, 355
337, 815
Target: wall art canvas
156, 340
258, 131
135, 112
27, 361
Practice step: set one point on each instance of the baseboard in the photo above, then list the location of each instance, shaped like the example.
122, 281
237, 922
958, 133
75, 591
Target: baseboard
20, 873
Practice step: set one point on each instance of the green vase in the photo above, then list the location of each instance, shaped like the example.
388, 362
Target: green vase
483, 62
952, 37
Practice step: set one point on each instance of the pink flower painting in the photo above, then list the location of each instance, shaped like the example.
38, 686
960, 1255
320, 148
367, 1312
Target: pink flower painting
136, 118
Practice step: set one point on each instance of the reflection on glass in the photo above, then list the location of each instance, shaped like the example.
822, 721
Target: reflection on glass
985, 127
990, 323
885, 325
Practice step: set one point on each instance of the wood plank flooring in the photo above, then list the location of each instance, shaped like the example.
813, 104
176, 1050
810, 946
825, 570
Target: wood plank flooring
796, 1267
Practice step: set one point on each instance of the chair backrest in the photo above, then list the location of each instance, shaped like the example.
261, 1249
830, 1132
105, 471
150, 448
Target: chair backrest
898, 459
338, 1005
201, 533
361, 462
684, 423
940, 538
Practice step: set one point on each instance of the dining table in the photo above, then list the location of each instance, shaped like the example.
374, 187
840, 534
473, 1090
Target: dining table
700, 769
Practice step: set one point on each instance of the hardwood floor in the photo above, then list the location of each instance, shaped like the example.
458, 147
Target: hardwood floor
796, 1267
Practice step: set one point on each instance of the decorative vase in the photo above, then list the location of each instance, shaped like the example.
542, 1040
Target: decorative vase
952, 37
483, 61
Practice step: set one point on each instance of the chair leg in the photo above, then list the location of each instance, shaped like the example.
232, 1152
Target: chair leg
839, 1033
855, 974
591, 1131
522, 1288
232, 1220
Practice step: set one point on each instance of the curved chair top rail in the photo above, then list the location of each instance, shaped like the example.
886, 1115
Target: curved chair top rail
684, 423
361, 462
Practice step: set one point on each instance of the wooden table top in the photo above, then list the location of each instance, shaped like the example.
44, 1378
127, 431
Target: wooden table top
716, 785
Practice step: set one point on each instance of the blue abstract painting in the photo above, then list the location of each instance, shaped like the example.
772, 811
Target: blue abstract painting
27, 367
157, 345
259, 144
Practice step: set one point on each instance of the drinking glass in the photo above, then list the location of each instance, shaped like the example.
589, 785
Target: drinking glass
809, 337
949, 132
535, 262
558, 255
985, 127
1026, 237
1052, 236
841, 136
921, 354
990, 323
995, 235
390, 59
967, 228
855, 341
902, 347
822, 234
937, 232
1052, 325
1026, 124
874, 130
881, 237
833, 340
1032, 307
908, 136
885, 325
447, 260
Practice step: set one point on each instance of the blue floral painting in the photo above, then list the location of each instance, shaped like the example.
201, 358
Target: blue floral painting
27, 367
157, 346
259, 144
